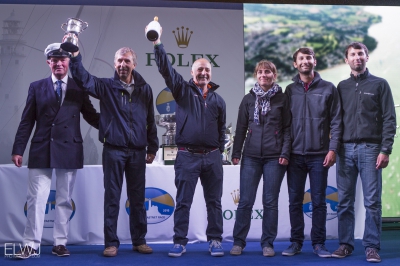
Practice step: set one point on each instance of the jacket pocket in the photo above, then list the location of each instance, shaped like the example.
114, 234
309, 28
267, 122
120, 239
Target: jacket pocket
278, 139
248, 136
182, 123
108, 127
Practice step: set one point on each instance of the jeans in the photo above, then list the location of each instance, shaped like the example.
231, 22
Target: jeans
298, 168
188, 168
354, 159
116, 161
251, 170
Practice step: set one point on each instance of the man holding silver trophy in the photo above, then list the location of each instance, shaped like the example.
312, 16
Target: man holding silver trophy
128, 131
200, 137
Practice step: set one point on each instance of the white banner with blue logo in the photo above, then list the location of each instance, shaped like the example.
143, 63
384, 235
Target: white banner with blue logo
86, 224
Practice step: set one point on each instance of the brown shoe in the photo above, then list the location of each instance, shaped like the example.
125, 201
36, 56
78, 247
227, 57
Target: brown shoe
144, 249
372, 255
26, 252
343, 251
60, 251
110, 251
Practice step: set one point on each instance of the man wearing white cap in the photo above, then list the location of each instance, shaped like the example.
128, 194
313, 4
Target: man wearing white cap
53, 105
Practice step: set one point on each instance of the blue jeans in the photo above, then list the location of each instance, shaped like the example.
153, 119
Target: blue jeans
251, 170
354, 159
116, 162
188, 168
298, 168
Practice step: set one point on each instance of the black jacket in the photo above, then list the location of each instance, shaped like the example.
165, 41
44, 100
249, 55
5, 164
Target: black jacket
368, 110
316, 116
125, 120
269, 139
199, 122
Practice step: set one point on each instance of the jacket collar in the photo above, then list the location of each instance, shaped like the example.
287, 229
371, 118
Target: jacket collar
138, 79
360, 76
212, 84
317, 78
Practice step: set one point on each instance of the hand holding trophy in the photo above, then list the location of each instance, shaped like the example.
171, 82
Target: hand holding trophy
70, 40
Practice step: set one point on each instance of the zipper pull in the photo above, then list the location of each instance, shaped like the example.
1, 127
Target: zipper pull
356, 86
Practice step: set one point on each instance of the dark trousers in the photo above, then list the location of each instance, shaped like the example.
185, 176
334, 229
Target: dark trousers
132, 162
298, 168
188, 168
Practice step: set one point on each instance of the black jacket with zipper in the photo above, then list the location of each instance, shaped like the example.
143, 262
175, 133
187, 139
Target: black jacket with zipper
316, 116
368, 111
269, 139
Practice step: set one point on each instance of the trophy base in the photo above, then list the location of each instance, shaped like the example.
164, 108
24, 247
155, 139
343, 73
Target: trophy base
226, 163
169, 154
69, 47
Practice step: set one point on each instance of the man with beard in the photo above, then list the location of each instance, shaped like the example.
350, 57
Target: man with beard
200, 136
52, 107
128, 131
315, 130
369, 126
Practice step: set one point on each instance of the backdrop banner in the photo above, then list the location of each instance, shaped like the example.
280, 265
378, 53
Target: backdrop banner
86, 224
187, 34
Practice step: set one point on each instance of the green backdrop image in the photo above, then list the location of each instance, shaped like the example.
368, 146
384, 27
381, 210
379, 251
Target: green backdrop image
274, 32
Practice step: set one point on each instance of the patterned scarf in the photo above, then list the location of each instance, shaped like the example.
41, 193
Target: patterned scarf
263, 99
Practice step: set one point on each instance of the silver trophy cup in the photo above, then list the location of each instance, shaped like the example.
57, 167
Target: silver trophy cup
168, 121
74, 27
228, 145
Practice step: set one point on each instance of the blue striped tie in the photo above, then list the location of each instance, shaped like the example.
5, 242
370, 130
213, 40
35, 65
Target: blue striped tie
59, 89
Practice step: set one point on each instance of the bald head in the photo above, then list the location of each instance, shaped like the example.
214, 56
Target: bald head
201, 72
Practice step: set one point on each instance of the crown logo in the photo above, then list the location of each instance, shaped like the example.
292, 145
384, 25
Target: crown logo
182, 38
236, 196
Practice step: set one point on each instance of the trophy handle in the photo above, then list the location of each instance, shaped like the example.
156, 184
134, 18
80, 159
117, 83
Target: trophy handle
85, 26
62, 25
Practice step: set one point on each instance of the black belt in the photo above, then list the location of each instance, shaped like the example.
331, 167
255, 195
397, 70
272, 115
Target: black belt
197, 150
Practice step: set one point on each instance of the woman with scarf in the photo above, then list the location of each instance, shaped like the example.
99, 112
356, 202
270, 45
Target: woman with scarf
263, 125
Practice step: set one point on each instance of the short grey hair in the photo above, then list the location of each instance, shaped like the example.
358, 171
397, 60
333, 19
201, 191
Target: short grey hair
125, 50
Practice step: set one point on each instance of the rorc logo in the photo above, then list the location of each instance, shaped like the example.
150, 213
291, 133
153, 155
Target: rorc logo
165, 102
159, 205
50, 213
331, 203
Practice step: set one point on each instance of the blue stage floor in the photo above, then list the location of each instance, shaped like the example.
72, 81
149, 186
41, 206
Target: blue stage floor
197, 254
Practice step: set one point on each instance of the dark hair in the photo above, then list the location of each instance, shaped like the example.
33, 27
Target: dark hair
303, 50
356, 45
265, 64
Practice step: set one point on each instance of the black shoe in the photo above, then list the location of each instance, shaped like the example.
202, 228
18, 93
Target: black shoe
26, 252
60, 251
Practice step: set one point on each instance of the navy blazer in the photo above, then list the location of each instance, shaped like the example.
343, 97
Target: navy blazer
57, 141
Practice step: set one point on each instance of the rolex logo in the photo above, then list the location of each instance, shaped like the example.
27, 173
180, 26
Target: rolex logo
182, 37
236, 196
